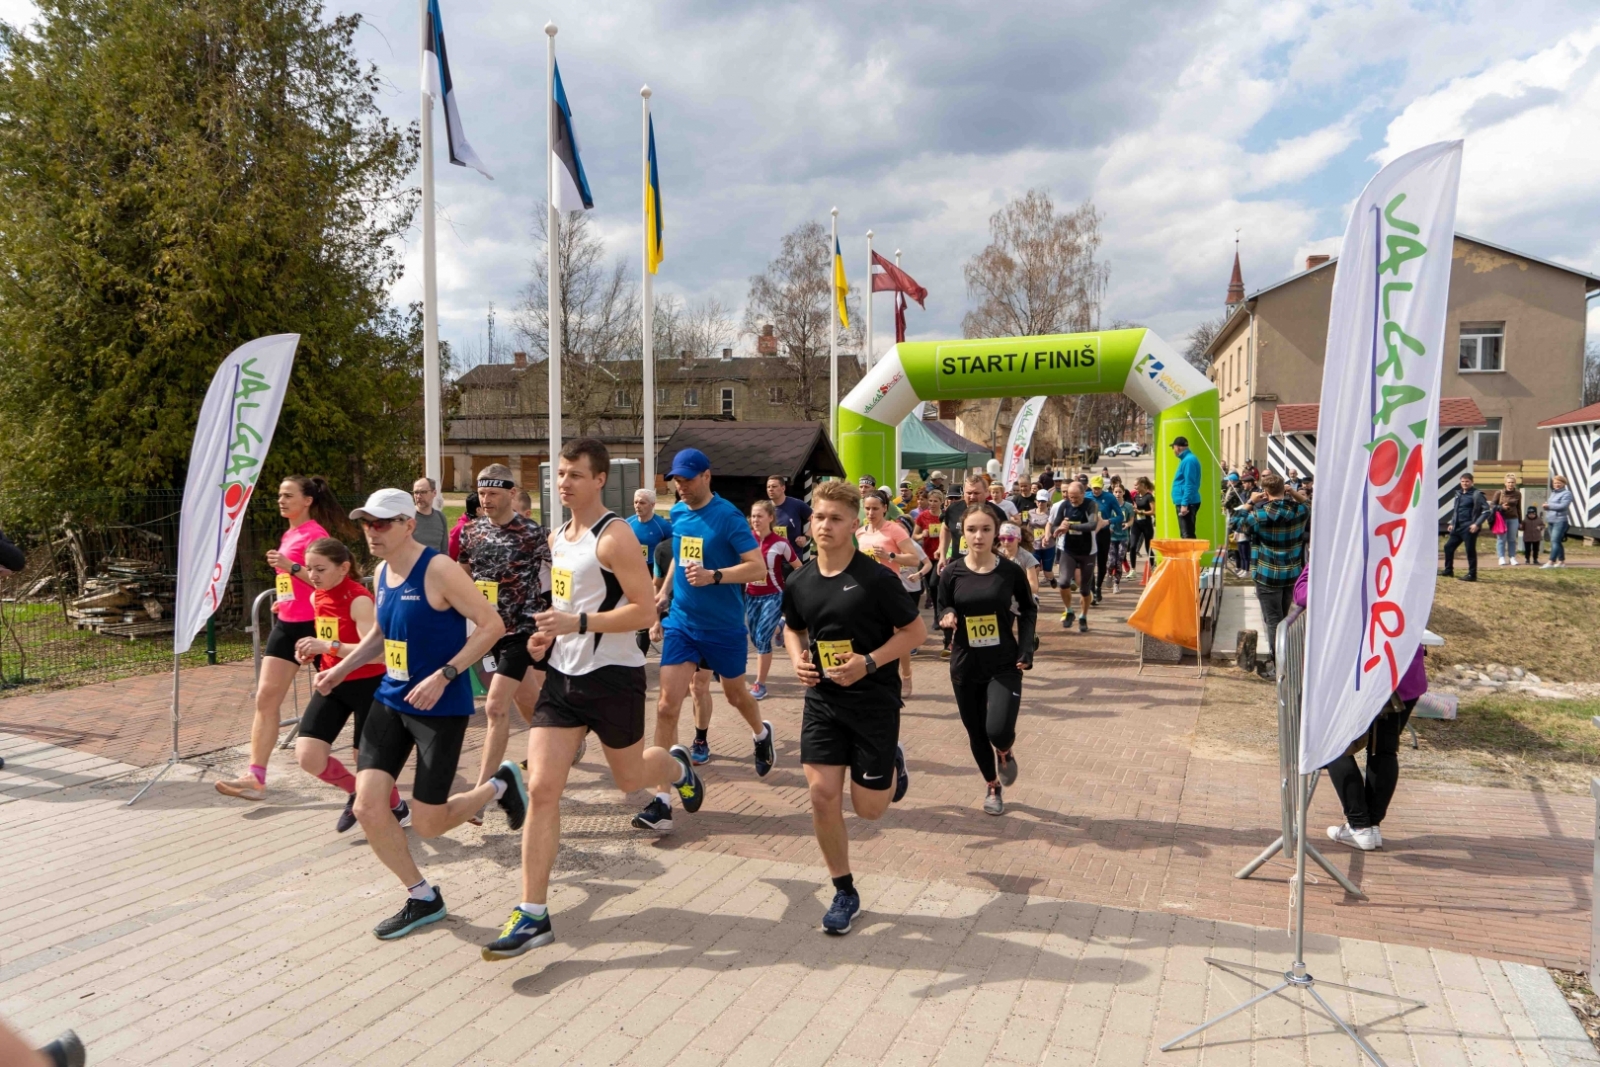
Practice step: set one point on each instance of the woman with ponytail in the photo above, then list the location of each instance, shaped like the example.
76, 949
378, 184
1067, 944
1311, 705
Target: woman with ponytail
310, 507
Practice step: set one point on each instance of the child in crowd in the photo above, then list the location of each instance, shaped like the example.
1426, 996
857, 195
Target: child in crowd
1532, 534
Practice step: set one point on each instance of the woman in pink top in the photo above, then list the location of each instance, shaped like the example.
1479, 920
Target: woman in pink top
310, 507
890, 544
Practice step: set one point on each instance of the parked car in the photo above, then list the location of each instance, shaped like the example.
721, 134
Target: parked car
1125, 448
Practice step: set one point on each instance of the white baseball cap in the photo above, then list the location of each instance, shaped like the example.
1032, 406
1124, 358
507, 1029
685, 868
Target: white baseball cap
387, 504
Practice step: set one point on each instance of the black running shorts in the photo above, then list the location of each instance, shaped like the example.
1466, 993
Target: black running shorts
1081, 568
863, 741
390, 735
608, 700
509, 657
325, 716
283, 636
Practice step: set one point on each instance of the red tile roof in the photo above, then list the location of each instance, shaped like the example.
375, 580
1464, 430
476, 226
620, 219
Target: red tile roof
1453, 411
1571, 418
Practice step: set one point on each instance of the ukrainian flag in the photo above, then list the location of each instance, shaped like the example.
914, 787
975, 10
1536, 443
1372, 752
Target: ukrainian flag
841, 287
652, 207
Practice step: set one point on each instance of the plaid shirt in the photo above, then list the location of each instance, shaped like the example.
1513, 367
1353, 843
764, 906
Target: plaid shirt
1277, 532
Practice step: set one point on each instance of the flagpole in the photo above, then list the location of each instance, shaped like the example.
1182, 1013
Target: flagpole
553, 231
647, 466
868, 360
430, 293
833, 340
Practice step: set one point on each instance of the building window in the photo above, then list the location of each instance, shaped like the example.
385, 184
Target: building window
622, 399
727, 402
1483, 347
1486, 442
691, 397
509, 398
775, 394
663, 397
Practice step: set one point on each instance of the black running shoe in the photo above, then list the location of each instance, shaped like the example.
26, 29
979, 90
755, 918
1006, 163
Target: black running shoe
1095, 600
841, 913
1066, 620
520, 933
416, 914
347, 817
65, 1051
1083, 624
402, 813
902, 780
692, 791
655, 816
766, 755
514, 801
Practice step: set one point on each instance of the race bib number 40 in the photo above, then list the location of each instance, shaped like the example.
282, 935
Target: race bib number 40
394, 660
285, 587
561, 585
832, 654
490, 591
692, 550
983, 631
327, 628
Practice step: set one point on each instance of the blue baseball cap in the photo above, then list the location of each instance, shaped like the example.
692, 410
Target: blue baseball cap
689, 463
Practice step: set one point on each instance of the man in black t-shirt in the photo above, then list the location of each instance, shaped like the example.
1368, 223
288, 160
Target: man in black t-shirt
1076, 521
848, 620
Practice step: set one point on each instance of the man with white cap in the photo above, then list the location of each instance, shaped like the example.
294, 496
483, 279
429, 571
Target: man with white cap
424, 701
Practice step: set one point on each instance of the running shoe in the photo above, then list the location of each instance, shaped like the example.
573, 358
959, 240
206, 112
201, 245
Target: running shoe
944, 653
1116, 586
766, 754
1066, 620
656, 816
841, 912
1083, 624
699, 751
1366, 840
65, 1051
692, 791
520, 933
415, 915
1008, 770
902, 779
245, 788
514, 801
347, 817
1095, 600
915, 652
402, 812
758, 691
993, 804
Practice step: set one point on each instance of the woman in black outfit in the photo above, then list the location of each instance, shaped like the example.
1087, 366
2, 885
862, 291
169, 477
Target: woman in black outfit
980, 595
1144, 520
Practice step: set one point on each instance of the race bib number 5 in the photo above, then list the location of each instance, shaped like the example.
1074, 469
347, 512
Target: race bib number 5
490, 591
983, 631
327, 628
692, 550
285, 587
561, 586
832, 654
394, 660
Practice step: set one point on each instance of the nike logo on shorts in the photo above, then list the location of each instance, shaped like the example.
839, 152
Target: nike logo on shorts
870, 777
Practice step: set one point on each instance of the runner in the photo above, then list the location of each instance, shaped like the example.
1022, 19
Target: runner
344, 615
791, 515
508, 559
1144, 518
977, 599
1038, 520
951, 544
1117, 535
1012, 547
700, 691
763, 600
889, 544
714, 554
929, 522
424, 701
310, 507
1073, 525
1102, 546
844, 616
650, 530
595, 681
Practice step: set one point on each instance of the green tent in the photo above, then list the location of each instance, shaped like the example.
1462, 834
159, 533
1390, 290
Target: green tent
922, 447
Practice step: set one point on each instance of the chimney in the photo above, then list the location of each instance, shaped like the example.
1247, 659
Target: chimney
767, 343
1235, 283
1313, 262
519, 359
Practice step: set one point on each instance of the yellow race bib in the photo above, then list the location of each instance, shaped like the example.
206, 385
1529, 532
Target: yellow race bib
692, 550
327, 628
490, 591
285, 586
963, 548
645, 549
394, 659
832, 654
781, 531
983, 631
561, 585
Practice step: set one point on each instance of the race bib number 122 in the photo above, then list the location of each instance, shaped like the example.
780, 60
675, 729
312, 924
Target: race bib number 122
692, 550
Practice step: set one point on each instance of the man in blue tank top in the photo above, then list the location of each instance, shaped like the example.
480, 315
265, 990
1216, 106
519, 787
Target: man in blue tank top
424, 701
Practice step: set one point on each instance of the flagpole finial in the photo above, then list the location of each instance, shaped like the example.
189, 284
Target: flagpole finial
645, 92
897, 253
550, 29
869, 234
834, 212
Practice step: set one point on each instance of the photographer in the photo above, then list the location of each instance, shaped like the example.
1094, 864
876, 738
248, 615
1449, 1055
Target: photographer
1275, 521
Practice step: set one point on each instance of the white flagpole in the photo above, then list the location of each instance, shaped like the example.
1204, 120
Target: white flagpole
430, 293
833, 339
553, 230
869, 299
647, 465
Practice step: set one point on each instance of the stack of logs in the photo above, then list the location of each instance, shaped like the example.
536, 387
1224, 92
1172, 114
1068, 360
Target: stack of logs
129, 598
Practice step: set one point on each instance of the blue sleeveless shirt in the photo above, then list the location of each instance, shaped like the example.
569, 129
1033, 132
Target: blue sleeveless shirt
418, 640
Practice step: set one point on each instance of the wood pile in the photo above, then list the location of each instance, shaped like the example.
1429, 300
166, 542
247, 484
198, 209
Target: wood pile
128, 598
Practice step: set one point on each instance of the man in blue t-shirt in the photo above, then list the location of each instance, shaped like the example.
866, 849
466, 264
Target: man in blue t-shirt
791, 515
651, 529
713, 555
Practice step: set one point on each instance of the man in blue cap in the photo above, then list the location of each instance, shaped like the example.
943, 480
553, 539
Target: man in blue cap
1186, 486
713, 555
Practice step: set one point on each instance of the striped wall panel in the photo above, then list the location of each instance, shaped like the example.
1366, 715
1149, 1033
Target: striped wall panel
1575, 456
1296, 450
1455, 459
1299, 450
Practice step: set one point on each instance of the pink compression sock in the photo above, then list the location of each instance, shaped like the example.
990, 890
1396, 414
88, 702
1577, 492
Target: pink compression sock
336, 774
259, 772
394, 799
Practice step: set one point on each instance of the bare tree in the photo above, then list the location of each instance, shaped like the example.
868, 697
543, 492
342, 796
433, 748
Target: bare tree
795, 296
1038, 275
599, 315
1200, 339
1591, 373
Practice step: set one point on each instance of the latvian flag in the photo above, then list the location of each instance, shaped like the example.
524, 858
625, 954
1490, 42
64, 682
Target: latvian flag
570, 183
436, 83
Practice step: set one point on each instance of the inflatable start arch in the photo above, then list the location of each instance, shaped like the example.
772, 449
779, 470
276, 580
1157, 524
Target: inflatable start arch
1182, 401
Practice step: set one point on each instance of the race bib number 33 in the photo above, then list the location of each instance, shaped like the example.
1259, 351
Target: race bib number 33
561, 584
983, 631
831, 654
394, 660
692, 550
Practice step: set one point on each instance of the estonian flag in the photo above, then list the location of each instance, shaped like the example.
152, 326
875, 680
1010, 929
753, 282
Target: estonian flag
841, 288
652, 208
571, 185
436, 83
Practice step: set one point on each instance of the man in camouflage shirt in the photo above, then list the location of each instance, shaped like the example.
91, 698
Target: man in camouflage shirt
508, 558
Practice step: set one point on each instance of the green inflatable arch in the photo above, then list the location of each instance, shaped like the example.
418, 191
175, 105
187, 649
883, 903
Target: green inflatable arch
1182, 401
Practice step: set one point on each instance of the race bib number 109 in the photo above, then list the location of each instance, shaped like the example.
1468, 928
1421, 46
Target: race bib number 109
983, 631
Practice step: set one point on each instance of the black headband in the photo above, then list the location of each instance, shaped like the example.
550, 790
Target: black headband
496, 483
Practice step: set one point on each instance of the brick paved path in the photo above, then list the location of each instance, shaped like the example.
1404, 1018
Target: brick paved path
1111, 807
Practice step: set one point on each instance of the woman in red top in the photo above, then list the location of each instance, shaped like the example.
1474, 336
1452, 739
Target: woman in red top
344, 614
763, 600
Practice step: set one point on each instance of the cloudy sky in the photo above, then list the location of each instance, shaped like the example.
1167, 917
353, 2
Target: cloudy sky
1182, 122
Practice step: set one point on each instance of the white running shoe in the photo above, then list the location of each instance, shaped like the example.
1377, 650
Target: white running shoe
1365, 840
1546, 566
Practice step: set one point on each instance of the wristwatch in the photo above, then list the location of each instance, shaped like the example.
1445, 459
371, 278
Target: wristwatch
334, 646
872, 664
716, 577
294, 568
449, 672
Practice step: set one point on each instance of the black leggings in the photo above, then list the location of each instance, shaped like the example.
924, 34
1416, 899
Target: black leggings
1139, 537
1366, 800
989, 709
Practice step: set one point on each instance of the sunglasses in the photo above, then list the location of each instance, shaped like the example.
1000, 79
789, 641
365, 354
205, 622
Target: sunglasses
1008, 540
378, 524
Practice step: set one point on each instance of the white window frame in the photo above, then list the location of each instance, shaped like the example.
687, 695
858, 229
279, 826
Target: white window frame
622, 399
663, 396
1476, 332
691, 397
1496, 428
727, 402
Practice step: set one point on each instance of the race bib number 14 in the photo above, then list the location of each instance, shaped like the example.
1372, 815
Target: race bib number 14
394, 660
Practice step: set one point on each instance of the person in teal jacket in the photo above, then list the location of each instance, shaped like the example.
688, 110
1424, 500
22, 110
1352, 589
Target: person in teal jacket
1186, 487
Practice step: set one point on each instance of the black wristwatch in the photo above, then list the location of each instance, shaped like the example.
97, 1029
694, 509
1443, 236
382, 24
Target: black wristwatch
872, 664
716, 577
449, 672
294, 568
583, 622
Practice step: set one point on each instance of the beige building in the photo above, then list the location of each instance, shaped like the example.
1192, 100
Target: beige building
1514, 343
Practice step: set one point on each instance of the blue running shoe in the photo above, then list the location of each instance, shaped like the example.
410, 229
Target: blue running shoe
520, 933
700, 752
766, 754
758, 691
843, 910
415, 915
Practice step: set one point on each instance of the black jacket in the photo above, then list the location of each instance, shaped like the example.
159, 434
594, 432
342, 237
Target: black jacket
1469, 509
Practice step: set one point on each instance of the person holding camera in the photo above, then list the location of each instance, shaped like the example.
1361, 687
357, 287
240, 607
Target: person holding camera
1275, 520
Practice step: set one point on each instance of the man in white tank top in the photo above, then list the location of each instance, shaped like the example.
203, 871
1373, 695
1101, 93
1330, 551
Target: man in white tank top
601, 596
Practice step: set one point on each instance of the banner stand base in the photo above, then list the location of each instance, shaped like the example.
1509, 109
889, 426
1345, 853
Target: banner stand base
174, 759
